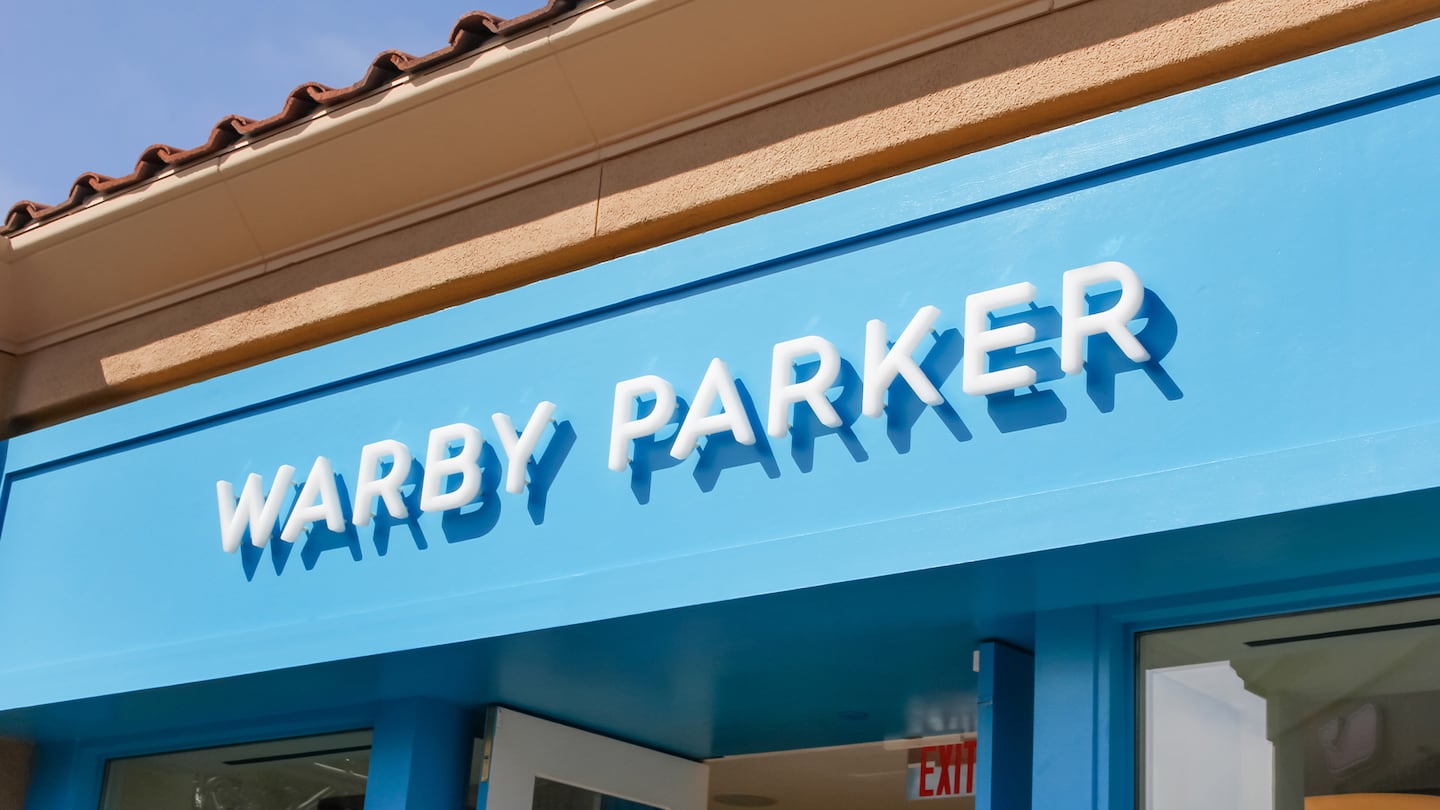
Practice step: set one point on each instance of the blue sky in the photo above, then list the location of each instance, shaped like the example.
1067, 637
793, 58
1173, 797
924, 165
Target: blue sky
91, 83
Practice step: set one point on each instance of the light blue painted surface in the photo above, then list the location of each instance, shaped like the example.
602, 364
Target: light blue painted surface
1261, 240
1293, 250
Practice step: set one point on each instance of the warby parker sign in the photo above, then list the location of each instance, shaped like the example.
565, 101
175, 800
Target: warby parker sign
452, 469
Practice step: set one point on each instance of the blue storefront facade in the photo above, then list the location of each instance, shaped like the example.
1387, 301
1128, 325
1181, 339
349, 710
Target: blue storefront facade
827, 579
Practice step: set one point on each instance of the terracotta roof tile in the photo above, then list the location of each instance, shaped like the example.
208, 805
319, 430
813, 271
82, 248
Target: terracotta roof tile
469, 33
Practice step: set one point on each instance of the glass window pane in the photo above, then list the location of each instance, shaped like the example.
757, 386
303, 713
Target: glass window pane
1331, 710
311, 773
551, 795
923, 773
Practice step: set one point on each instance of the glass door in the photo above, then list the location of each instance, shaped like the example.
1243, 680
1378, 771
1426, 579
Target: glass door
534, 764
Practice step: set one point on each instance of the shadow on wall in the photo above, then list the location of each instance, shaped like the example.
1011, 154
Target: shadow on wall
1104, 360
1010, 411
469, 522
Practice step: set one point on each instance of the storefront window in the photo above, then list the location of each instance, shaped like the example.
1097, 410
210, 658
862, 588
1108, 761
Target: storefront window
889, 775
311, 773
552, 795
1332, 710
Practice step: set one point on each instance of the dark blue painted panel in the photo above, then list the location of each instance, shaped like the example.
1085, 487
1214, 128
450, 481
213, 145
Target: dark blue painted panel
1288, 248
1006, 728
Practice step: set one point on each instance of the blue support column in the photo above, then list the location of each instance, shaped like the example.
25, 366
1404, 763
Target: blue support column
1067, 732
421, 756
60, 779
1002, 761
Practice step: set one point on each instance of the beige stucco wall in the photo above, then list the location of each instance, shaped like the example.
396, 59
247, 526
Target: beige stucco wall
14, 773
9, 365
1077, 62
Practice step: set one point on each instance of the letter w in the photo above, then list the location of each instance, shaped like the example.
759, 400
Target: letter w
254, 511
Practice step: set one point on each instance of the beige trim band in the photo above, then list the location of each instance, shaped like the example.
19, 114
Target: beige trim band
1039, 73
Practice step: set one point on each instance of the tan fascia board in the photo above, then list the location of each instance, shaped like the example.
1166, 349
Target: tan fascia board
113, 260
7, 302
1045, 72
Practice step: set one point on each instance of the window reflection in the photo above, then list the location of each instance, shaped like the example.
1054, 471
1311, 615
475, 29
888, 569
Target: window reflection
1332, 710
313, 773
1202, 720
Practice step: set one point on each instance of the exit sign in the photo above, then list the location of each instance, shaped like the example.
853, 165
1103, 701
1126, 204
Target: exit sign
942, 771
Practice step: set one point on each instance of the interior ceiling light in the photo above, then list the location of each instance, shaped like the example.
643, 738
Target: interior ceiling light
297, 755
743, 800
1353, 631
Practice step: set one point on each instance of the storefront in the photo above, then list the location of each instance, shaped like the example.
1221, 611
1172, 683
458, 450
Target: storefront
1096, 469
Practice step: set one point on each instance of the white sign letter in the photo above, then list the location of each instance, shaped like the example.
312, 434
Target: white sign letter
980, 340
387, 486
254, 511
320, 483
700, 422
784, 391
624, 428
1076, 324
518, 450
440, 465
882, 367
